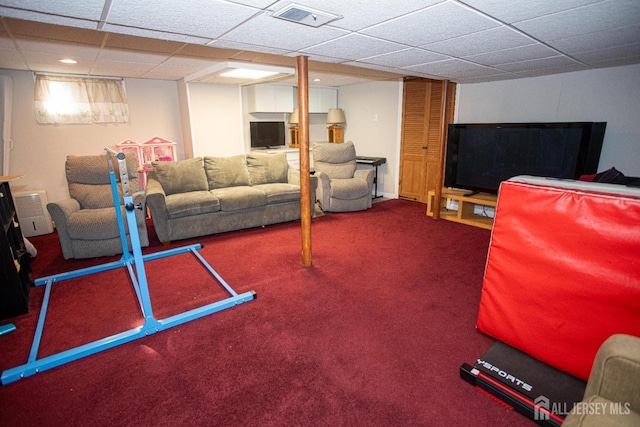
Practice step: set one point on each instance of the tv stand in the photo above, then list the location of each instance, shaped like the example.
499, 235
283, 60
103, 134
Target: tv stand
467, 203
471, 193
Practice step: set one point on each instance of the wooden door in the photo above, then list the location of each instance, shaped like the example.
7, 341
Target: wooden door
421, 134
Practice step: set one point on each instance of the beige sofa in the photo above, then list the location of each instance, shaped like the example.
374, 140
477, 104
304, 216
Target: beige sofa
208, 195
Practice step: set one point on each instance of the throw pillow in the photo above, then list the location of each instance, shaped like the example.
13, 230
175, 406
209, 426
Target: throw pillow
223, 172
181, 176
267, 168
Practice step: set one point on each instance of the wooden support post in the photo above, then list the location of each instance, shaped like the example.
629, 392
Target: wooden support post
305, 169
442, 149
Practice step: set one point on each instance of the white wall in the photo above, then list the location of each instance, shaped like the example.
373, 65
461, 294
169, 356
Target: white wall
39, 151
216, 119
609, 95
374, 120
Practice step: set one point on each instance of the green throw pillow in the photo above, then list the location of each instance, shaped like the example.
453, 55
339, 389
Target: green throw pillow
223, 172
181, 176
267, 168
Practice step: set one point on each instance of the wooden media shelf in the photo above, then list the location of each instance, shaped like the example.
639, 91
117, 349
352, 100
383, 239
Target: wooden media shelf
467, 207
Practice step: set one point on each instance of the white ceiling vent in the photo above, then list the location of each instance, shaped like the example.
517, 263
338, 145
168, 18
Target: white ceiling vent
305, 15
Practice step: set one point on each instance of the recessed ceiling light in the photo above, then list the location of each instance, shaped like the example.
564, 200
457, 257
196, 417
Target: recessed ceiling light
245, 73
316, 79
68, 61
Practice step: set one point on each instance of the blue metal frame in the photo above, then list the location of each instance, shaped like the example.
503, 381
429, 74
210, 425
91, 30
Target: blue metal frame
135, 265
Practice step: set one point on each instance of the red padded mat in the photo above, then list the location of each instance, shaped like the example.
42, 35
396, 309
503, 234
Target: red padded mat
562, 273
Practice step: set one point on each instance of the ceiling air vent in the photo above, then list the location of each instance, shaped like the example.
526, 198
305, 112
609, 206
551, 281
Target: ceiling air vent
305, 15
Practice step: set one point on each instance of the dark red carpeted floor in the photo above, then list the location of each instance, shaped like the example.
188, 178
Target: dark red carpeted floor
373, 334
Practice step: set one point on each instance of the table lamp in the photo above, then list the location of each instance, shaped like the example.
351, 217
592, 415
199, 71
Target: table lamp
293, 120
335, 117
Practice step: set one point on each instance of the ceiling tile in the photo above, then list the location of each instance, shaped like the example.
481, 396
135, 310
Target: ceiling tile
143, 32
404, 58
353, 47
432, 24
359, 14
28, 15
276, 33
596, 56
522, 53
199, 18
538, 64
494, 39
584, 20
57, 49
605, 39
85, 9
510, 11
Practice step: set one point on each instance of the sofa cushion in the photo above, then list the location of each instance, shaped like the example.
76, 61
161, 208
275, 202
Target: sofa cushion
226, 171
241, 197
181, 176
349, 189
280, 193
94, 224
191, 203
267, 168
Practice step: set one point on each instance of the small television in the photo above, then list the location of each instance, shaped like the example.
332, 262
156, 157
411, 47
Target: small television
480, 156
266, 134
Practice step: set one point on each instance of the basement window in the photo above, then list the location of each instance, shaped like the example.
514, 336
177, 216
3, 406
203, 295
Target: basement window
80, 100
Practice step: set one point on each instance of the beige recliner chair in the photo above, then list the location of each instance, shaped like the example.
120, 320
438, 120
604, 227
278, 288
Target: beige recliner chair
612, 396
86, 222
341, 186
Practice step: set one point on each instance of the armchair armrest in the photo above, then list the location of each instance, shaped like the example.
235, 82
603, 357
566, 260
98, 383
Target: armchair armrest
616, 371
60, 211
156, 201
323, 192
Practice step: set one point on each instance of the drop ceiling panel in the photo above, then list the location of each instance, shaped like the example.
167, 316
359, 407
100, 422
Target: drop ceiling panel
264, 30
539, 64
494, 39
404, 58
606, 39
510, 11
85, 9
357, 15
584, 20
353, 46
28, 15
58, 50
599, 55
143, 32
198, 18
522, 53
432, 24
121, 55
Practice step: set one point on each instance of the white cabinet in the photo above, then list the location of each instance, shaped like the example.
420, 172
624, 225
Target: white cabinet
270, 98
321, 99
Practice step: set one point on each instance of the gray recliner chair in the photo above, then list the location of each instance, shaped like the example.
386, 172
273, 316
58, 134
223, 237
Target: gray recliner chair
86, 222
612, 396
341, 186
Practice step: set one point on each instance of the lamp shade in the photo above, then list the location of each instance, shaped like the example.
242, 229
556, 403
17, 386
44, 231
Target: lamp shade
293, 117
335, 116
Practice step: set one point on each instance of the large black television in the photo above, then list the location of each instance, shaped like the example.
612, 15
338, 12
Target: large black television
266, 134
482, 155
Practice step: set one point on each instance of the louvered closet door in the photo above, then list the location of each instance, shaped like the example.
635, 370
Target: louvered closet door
421, 132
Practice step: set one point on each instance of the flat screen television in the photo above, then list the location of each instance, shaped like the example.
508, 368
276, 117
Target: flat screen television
482, 155
266, 134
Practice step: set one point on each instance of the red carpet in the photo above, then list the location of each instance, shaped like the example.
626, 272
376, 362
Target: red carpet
373, 334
